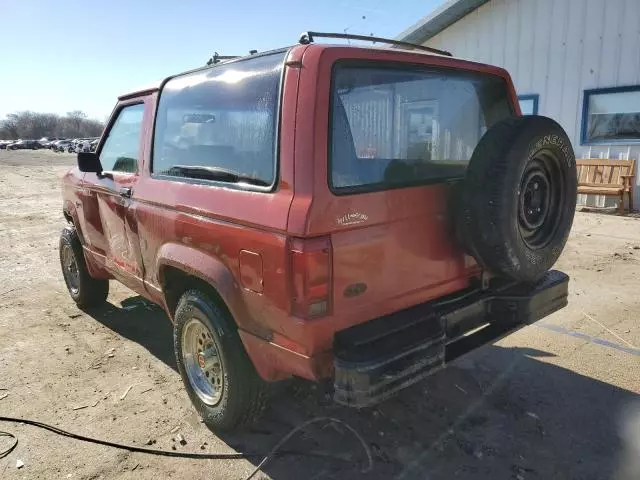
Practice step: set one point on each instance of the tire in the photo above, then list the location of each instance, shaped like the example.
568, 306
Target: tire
518, 197
85, 290
242, 394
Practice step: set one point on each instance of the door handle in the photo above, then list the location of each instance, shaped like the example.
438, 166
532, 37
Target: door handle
125, 192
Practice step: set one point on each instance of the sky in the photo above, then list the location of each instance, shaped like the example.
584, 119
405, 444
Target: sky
64, 55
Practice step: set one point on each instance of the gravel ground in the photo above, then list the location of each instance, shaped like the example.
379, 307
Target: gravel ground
555, 400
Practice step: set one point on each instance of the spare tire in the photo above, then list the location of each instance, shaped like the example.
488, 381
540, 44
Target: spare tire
518, 197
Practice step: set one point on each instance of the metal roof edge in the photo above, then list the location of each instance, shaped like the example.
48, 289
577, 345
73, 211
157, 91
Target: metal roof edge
151, 87
445, 15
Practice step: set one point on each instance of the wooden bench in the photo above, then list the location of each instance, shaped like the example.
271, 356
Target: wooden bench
601, 176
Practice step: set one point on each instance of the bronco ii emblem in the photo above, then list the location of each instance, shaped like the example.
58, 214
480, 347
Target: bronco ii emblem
352, 218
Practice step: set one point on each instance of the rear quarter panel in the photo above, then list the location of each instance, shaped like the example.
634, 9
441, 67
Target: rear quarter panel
208, 247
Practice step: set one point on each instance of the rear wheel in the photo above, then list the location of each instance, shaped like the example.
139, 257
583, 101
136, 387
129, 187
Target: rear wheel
85, 290
219, 377
518, 198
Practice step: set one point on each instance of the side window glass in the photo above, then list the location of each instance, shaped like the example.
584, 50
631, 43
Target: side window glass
120, 151
220, 124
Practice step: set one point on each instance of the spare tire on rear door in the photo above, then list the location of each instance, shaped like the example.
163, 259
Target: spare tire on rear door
518, 197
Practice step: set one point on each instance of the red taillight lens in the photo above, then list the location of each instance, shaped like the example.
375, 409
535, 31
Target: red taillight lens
311, 276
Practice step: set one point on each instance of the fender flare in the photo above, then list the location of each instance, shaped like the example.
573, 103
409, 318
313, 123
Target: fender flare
96, 268
212, 270
70, 212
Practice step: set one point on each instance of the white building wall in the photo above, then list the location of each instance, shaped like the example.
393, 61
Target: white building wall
556, 49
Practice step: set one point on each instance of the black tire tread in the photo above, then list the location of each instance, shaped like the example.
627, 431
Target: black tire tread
92, 292
250, 394
476, 184
485, 222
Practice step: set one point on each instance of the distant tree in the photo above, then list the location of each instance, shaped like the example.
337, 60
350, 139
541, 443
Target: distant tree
43, 124
76, 118
9, 127
33, 125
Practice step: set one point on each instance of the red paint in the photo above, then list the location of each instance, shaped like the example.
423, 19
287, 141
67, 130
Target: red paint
397, 242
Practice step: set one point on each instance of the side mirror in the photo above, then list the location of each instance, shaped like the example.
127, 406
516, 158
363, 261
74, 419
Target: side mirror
89, 162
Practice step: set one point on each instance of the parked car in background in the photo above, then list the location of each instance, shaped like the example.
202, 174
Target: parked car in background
71, 148
49, 143
82, 145
25, 145
93, 145
60, 145
5, 143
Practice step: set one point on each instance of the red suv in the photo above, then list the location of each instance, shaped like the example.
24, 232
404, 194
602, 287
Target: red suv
331, 212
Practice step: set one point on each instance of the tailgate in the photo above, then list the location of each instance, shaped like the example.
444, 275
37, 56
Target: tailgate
390, 140
401, 250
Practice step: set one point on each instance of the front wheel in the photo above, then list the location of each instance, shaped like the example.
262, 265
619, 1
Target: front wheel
85, 290
220, 379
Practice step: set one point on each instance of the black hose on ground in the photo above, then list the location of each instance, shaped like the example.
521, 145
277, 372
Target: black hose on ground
275, 451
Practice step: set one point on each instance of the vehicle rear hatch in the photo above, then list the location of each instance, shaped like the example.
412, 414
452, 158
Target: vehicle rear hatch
400, 137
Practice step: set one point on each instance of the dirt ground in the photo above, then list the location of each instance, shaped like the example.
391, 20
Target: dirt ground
557, 400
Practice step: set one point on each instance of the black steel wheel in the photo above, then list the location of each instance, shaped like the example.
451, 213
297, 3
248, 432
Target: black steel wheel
540, 199
518, 198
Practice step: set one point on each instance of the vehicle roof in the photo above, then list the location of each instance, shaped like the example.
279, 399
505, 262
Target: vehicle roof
149, 88
383, 48
155, 86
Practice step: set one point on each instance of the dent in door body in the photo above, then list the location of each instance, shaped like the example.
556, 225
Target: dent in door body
110, 238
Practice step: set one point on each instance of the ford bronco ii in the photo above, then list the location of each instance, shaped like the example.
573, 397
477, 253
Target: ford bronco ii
351, 214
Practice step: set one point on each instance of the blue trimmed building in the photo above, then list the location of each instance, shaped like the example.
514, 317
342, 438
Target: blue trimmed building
576, 61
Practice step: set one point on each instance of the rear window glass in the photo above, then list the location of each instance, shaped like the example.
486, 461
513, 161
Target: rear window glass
392, 127
220, 124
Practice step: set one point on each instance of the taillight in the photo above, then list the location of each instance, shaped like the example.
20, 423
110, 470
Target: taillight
311, 276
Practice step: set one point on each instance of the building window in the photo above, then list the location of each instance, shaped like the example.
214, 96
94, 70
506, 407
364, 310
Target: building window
529, 104
611, 115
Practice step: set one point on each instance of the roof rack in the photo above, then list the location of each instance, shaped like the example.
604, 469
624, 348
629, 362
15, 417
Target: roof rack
307, 37
219, 58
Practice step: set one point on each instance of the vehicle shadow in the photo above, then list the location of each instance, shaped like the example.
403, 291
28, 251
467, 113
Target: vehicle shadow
495, 413
142, 322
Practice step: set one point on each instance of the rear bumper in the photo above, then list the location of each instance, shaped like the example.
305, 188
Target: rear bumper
376, 359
